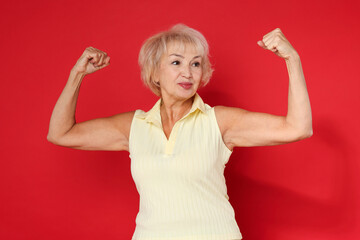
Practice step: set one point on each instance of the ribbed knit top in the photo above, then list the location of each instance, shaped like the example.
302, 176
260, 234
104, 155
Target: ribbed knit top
180, 180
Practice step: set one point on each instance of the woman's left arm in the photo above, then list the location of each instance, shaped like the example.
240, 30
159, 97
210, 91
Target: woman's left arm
240, 127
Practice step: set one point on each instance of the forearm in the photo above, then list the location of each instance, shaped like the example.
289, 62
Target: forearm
299, 110
63, 115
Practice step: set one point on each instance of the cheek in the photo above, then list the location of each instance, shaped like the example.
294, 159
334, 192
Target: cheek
169, 77
166, 74
171, 72
197, 74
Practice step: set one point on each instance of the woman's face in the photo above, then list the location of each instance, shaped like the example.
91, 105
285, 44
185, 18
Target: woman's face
180, 72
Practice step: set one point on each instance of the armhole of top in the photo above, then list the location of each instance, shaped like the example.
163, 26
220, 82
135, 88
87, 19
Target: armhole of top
219, 133
131, 129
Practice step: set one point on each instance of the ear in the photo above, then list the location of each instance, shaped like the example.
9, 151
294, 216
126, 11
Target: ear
156, 73
154, 79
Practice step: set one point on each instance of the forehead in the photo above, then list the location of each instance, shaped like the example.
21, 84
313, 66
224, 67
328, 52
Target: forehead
183, 48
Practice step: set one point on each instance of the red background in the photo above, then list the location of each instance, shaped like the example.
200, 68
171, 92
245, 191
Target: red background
304, 190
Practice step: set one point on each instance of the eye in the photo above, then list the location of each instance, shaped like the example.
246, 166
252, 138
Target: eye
196, 64
175, 62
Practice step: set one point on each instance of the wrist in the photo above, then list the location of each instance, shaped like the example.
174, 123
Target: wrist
293, 57
75, 78
77, 74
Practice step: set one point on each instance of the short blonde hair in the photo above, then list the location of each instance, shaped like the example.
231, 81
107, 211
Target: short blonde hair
154, 47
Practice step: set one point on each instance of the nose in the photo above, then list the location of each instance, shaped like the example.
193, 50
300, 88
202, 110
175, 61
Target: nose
186, 72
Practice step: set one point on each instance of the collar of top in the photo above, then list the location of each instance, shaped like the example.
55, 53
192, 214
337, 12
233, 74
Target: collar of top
153, 115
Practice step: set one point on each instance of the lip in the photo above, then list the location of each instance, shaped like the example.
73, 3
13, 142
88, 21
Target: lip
185, 85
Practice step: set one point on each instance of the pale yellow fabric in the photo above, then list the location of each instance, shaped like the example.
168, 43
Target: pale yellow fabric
183, 194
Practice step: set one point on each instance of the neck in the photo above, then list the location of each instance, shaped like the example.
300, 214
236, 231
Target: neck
172, 110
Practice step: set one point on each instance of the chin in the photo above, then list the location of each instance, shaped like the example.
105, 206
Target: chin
186, 93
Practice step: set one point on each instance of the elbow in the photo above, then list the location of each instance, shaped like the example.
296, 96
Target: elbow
310, 132
52, 139
301, 131
306, 134
49, 138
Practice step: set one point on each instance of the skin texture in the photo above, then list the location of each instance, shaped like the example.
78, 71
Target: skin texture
178, 67
107, 134
239, 127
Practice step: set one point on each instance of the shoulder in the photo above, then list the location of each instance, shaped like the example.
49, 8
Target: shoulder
122, 121
221, 113
226, 118
226, 115
124, 117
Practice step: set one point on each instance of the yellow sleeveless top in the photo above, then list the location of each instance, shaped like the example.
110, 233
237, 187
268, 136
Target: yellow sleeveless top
180, 180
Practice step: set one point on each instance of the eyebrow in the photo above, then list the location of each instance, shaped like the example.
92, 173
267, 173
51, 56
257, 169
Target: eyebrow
178, 55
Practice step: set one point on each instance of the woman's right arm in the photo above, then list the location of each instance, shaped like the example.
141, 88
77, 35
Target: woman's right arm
108, 134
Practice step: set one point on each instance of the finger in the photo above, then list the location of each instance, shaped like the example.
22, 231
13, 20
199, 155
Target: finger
104, 57
267, 38
272, 33
104, 65
90, 58
267, 42
278, 30
261, 44
98, 55
272, 44
95, 58
89, 51
268, 35
101, 60
107, 60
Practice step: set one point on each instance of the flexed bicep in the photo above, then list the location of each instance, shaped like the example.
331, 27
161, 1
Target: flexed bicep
242, 128
106, 134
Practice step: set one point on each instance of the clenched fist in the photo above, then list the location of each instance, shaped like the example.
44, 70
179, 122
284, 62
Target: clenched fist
91, 60
276, 42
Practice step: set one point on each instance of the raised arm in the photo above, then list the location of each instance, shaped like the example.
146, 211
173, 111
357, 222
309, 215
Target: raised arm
240, 127
109, 133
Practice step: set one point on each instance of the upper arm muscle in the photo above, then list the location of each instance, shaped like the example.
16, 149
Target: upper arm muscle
108, 133
245, 128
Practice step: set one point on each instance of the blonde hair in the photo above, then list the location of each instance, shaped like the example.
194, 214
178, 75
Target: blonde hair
154, 47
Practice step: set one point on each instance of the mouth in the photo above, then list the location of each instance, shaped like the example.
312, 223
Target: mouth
185, 85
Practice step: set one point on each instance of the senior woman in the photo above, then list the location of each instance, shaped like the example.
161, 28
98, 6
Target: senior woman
179, 148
